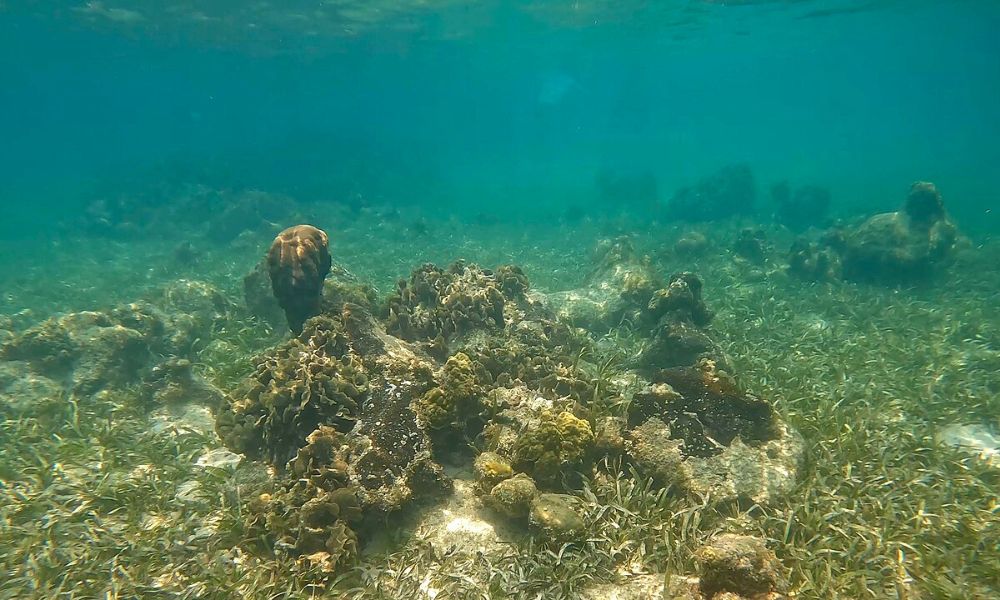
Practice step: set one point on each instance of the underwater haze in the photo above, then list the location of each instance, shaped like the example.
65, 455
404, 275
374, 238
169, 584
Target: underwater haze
443, 299
509, 105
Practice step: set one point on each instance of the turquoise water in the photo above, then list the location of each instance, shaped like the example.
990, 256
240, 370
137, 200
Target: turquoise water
626, 299
514, 104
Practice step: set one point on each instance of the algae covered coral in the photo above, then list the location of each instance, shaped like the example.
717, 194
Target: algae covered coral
630, 446
361, 416
598, 300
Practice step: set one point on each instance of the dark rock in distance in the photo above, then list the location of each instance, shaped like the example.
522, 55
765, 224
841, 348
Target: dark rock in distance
727, 193
903, 246
806, 207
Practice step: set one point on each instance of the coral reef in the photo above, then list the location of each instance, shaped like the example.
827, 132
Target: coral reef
90, 351
727, 193
705, 408
298, 263
307, 382
490, 469
813, 262
439, 304
694, 428
465, 357
174, 382
902, 246
751, 245
309, 516
456, 400
345, 373
677, 316
657, 454
553, 448
681, 300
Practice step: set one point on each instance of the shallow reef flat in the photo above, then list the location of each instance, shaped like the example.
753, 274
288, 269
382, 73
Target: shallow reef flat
495, 410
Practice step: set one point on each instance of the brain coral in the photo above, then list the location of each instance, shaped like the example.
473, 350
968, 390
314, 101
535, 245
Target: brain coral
298, 262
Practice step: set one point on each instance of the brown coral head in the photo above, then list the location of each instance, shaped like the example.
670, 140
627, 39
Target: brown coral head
923, 204
298, 262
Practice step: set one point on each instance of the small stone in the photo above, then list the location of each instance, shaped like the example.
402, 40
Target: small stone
219, 458
739, 564
555, 517
513, 496
490, 469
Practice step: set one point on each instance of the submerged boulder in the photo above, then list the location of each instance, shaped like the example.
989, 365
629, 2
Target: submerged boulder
739, 566
903, 246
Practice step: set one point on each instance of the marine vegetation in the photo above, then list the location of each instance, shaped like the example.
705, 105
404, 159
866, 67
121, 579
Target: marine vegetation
383, 406
692, 443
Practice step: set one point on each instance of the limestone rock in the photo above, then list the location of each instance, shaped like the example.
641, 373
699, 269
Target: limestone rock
739, 565
556, 518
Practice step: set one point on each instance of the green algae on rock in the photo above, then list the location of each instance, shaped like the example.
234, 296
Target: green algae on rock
513, 496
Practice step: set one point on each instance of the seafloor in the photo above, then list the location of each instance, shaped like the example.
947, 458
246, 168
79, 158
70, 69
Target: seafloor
108, 495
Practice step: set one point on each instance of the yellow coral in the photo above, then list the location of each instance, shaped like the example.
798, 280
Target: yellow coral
559, 443
455, 399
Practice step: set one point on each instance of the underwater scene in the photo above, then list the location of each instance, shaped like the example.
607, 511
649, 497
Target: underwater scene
529, 299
